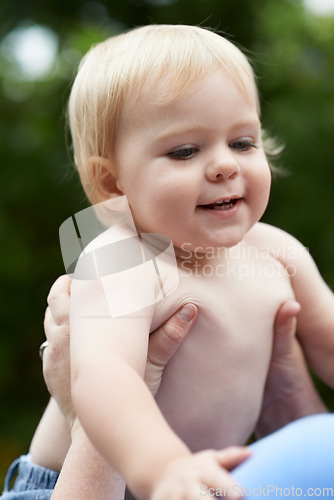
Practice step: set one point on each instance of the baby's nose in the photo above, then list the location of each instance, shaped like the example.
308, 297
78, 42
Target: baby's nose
223, 167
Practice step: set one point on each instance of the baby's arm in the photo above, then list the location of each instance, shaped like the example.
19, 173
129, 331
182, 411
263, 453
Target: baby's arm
315, 326
116, 409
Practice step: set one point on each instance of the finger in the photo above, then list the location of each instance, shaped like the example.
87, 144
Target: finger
286, 313
232, 456
58, 335
49, 322
62, 285
166, 340
59, 300
285, 326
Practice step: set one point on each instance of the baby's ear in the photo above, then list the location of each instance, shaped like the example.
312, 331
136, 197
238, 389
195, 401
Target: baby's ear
105, 178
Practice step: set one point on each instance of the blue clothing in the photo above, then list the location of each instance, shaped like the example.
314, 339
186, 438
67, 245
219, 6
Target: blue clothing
297, 460
33, 482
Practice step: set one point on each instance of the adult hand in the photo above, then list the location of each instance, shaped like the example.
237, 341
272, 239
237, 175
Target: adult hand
163, 343
289, 391
56, 357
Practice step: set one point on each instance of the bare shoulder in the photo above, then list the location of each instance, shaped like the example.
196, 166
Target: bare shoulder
266, 232
276, 241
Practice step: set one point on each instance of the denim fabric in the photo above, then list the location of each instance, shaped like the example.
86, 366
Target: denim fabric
33, 482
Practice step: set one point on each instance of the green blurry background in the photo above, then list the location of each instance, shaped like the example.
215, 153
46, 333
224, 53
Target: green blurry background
293, 54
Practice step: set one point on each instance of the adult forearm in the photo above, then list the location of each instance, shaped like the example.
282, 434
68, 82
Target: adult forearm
289, 392
86, 475
296, 401
52, 439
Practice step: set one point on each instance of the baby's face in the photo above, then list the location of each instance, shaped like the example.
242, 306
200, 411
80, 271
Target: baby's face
195, 169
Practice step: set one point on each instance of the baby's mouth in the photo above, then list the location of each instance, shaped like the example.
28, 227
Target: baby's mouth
220, 205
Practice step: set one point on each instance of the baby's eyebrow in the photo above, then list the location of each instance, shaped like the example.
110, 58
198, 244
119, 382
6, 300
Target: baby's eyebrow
174, 131
246, 124
186, 129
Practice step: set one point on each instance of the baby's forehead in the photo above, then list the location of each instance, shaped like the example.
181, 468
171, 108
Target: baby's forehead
167, 92
161, 113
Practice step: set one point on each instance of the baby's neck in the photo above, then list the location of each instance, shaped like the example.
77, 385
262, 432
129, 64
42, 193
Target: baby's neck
200, 256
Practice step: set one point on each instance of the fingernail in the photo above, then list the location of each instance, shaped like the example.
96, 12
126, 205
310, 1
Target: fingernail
187, 312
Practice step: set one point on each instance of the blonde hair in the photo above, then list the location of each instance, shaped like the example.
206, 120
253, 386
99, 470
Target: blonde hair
167, 56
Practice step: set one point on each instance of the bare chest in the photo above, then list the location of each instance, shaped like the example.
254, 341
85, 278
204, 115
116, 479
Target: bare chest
212, 388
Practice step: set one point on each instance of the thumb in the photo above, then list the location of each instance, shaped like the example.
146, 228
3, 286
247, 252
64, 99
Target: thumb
165, 341
285, 327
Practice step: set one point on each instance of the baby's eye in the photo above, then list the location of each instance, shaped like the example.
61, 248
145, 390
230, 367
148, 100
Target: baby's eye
242, 145
184, 153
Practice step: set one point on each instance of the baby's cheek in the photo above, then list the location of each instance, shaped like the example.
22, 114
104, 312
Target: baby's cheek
261, 179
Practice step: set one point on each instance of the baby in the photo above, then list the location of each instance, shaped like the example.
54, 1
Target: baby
169, 117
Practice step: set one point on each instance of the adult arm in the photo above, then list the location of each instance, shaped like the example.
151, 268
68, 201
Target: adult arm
52, 438
289, 391
85, 474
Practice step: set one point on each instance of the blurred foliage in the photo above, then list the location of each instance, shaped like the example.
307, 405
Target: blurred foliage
293, 53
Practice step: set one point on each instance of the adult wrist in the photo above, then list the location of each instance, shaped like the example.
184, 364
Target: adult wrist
282, 411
